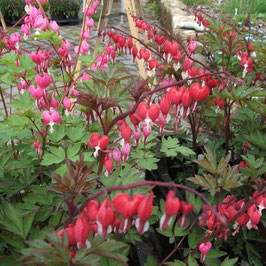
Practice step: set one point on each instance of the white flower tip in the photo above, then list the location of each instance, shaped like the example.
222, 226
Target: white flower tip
162, 221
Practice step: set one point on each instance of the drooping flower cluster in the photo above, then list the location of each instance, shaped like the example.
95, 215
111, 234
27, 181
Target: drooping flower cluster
119, 215
228, 209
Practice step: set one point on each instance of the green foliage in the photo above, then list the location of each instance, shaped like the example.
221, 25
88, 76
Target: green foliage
196, 2
13, 8
15, 221
170, 147
222, 175
229, 262
48, 35
244, 7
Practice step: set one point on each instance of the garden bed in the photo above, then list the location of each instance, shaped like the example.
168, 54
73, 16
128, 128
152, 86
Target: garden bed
96, 165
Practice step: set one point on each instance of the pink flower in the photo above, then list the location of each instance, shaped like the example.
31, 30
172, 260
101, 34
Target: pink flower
204, 248
54, 26
38, 147
67, 103
137, 135
89, 22
25, 29
146, 131
34, 12
86, 35
38, 22
187, 64
125, 150
74, 92
51, 118
85, 76
117, 155
89, 11
192, 46
54, 103
36, 92
43, 80
23, 86
95, 4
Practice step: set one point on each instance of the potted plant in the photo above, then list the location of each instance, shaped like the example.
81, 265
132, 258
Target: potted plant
12, 10
64, 11
61, 11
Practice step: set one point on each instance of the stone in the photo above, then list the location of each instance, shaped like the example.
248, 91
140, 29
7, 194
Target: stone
190, 25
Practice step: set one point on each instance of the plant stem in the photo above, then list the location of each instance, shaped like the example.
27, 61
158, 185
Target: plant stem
4, 102
177, 246
16, 23
227, 126
193, 131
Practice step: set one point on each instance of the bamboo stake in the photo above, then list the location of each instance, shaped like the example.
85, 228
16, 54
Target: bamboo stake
102, 23
2, 20
134, 32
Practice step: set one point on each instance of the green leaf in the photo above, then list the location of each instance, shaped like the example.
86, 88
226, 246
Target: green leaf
48, 35
175, 263
28, 219
192, 261
58, 134
25, 62
215, 254
151, 261
25, 101
257, 106
185, 151
7, 79
146, 160
75, 133
12, 239
211, 157
49, 159
180, 231
192, 240
229, 262
73, 150
169, 146
13, 220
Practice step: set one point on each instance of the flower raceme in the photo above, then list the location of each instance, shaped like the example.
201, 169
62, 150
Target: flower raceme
117, 216
228, 208
124, 210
